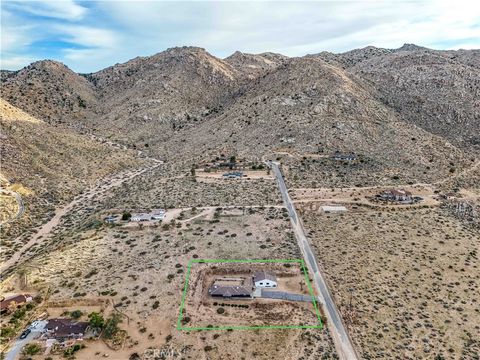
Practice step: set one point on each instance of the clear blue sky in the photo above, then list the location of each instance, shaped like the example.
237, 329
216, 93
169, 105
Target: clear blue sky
90, 35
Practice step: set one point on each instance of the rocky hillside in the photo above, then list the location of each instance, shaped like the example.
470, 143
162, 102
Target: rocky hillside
255, 65
148, 99
309, 106
436, 90
52, 92
376, 101
49, 165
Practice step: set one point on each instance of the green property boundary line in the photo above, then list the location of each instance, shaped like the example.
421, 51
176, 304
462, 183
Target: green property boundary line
307, 280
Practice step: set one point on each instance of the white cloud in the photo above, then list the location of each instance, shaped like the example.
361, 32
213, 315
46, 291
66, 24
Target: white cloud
15, 62
14, 34
61, 9
115, 31
86, 35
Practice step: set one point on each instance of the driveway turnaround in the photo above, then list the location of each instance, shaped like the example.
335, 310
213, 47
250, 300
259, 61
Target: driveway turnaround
17, 346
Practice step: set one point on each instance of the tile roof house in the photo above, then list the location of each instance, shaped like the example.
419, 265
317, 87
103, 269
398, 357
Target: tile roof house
231, 288
65, 329
14, 302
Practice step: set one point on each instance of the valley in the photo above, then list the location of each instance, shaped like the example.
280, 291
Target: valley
365, 164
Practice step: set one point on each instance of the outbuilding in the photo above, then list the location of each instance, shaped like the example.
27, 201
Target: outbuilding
263, 279
140, 217
333, 209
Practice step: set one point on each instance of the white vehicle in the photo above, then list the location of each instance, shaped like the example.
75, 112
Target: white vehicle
33, 325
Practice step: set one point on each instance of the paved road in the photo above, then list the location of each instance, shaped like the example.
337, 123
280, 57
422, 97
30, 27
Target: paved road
21, 206
343, 343
17, 346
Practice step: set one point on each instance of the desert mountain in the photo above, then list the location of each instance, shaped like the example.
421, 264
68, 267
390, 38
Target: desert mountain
309, 106
52, 92
263, 100
48, 165
436, 90
255, 65
152, 97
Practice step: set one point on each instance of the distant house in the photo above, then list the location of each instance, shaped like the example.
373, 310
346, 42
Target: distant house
344, 157
63, 329
158, 216
231, 288
110, 219
333, 209
263, 279
155, 215
140, 217
233, 175
14, 302
400, 195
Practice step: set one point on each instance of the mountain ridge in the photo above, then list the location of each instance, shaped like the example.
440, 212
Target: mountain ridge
153, 98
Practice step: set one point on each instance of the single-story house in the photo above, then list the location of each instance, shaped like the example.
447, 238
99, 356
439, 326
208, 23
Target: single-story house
140, 217
333, 208
233, 175
63, 329
263, 279
158, 216
231, 288
396, 195
14, 302
154, 215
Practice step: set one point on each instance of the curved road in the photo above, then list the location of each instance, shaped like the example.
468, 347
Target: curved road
343, 343
21, 206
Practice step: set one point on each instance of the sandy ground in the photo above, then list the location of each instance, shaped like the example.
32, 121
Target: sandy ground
361, 196
143, 272
218, 176
412, 277
102, 187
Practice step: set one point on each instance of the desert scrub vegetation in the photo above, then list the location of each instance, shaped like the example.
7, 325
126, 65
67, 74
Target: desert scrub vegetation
412, 277
157, 191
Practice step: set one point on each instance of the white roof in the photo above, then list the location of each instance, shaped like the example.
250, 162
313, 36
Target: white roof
141, 216
333, 208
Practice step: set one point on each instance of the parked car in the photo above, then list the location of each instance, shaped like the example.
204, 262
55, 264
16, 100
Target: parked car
33, 325
25, 333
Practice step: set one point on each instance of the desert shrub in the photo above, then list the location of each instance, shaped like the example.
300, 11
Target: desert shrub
76, 314
111, 326
31, 349
6, 332
220, 310
96, 320
69, 353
